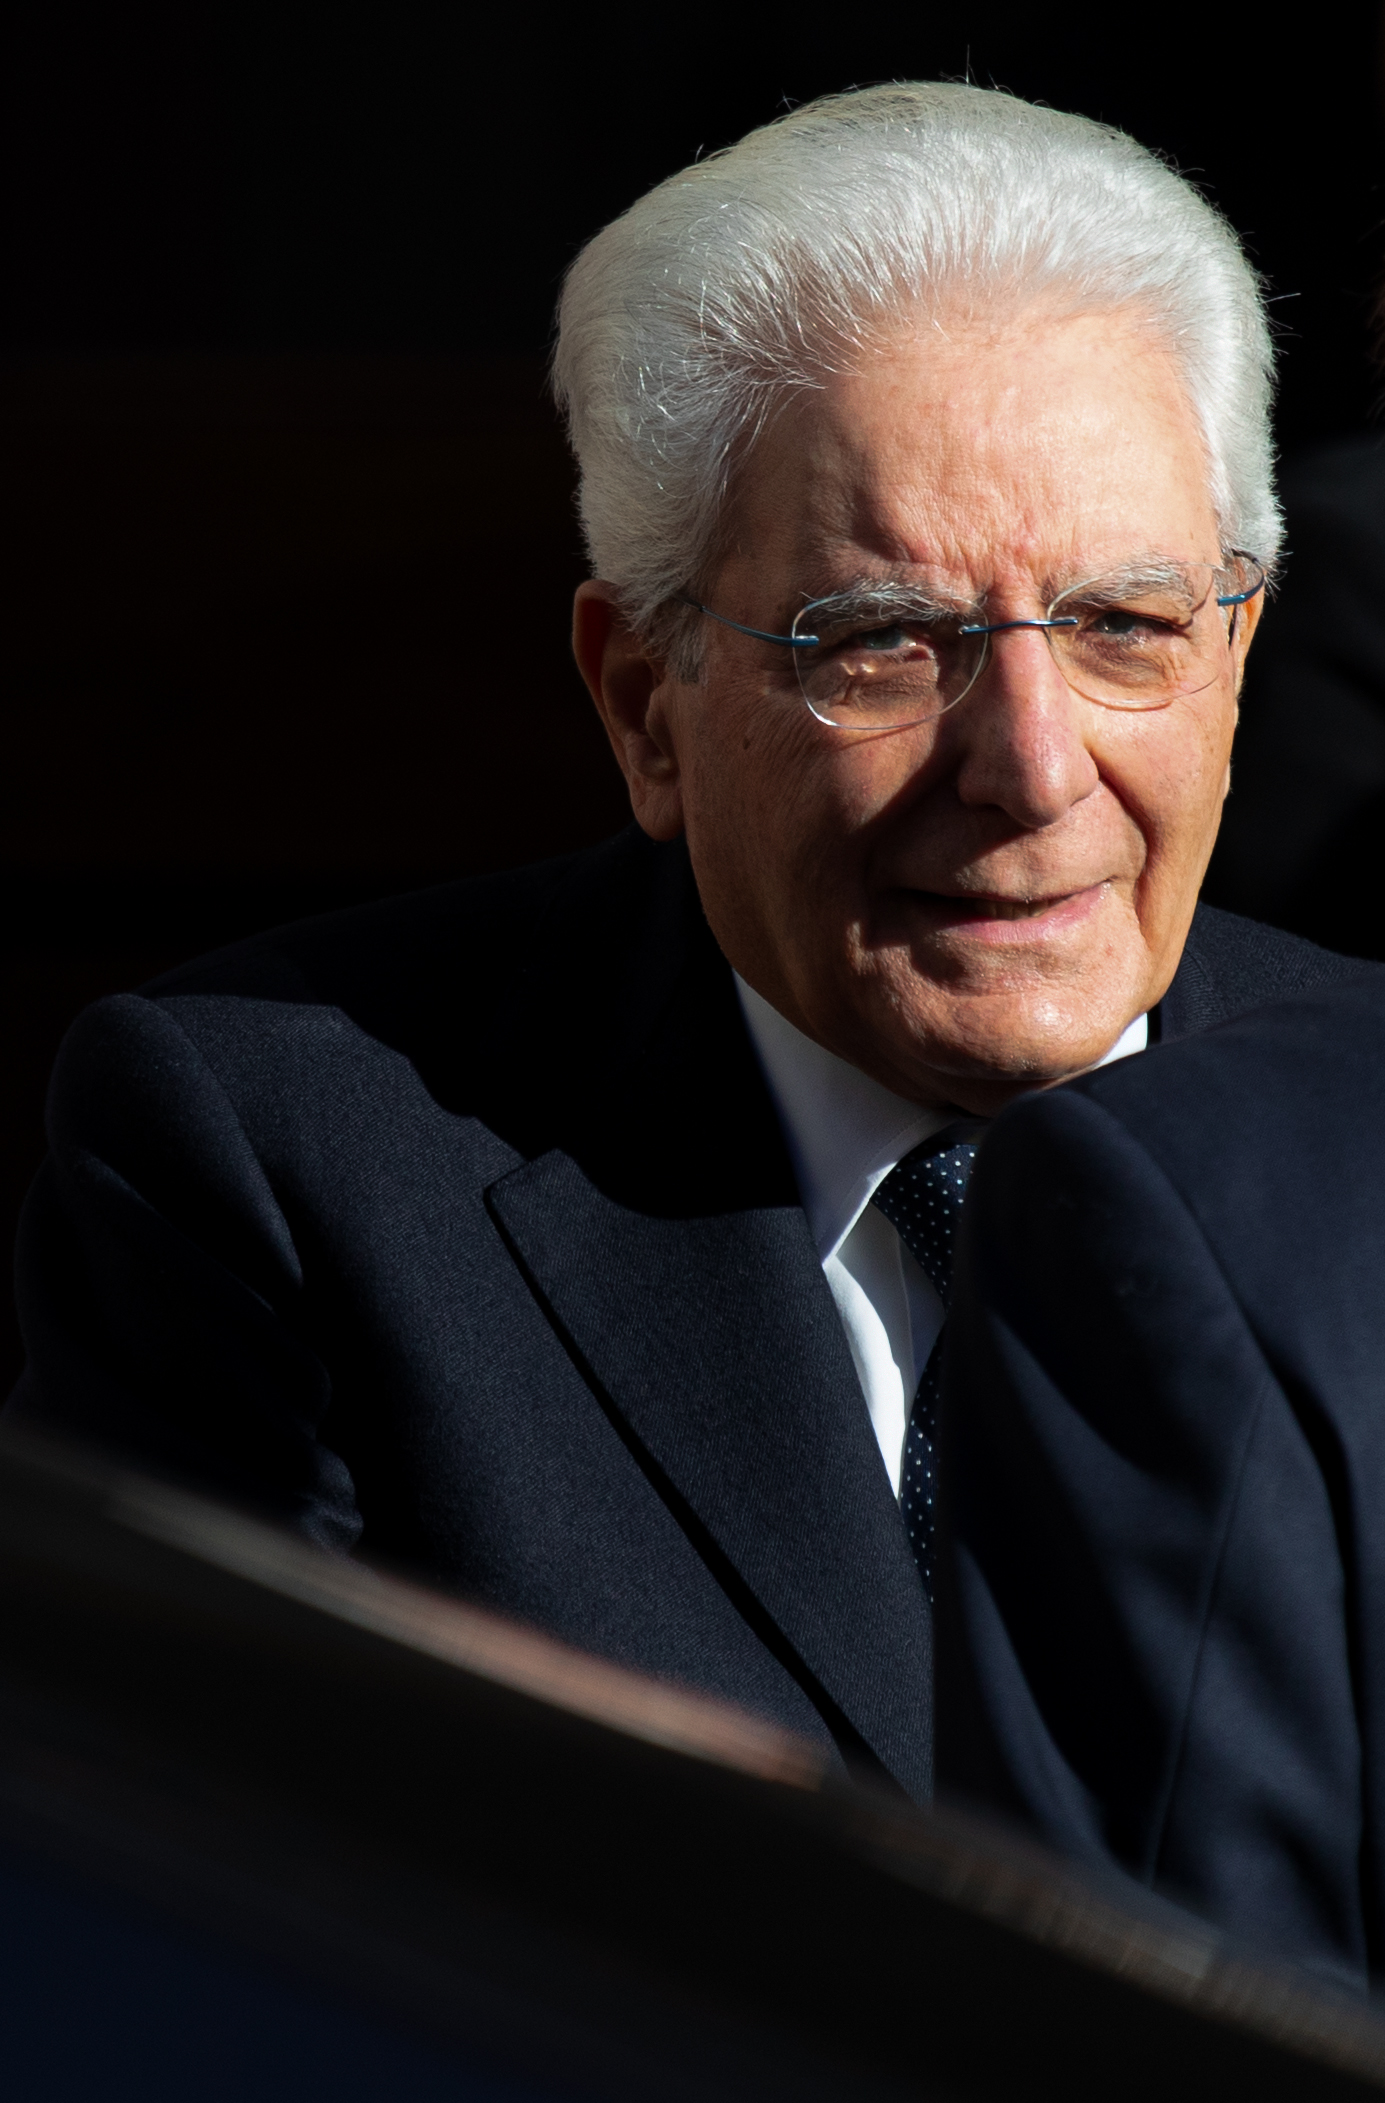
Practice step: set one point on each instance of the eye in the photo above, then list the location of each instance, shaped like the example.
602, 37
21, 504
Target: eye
875, 640
1123, 624
904, 638
895, 637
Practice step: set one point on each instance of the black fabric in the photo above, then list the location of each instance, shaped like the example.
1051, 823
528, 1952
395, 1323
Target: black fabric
458, 1231
1162, 1582
1230, 965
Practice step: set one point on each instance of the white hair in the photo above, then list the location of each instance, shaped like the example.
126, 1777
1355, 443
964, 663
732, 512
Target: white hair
761, 270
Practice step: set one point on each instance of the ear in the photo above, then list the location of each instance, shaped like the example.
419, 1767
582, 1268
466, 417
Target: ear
630, 688
1247, 621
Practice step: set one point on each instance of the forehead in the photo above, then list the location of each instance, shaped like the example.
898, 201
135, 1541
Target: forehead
983, 458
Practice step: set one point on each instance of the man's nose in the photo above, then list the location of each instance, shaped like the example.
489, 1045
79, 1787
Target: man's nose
1023, 734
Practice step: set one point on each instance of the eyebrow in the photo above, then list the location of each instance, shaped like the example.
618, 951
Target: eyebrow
1132, 580
877, 595
897, 595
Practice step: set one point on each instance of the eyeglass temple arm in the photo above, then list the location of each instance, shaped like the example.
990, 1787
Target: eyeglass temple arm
1239, 598
761, 635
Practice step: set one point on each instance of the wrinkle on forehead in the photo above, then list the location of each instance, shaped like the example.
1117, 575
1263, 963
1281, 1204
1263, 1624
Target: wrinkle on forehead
1019, 460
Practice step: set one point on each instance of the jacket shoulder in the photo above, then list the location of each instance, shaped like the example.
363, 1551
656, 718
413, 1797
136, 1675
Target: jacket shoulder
1231, 965
477, 930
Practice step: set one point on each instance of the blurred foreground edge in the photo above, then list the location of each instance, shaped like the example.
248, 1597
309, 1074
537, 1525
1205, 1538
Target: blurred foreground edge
586, 1882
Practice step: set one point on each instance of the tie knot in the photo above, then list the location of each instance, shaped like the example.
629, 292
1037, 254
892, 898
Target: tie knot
922, 1198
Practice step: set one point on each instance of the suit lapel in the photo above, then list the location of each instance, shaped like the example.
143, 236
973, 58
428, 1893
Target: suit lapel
664, 1238
716, 1341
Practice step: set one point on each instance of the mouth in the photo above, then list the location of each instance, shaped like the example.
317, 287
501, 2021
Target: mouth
1001, 908
991, 915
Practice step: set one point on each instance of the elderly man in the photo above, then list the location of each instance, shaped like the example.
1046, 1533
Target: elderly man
580, 1236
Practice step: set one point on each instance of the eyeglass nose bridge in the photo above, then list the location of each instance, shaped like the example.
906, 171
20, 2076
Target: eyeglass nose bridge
1066, 620
984, 630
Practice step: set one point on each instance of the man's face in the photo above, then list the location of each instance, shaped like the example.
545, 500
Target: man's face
979, 903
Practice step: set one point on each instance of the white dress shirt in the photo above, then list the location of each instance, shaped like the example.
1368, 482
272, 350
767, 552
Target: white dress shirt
844, 1134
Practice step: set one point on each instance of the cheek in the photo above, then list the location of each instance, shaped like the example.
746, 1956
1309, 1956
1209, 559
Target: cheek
757, 762
748, 787
1167, 768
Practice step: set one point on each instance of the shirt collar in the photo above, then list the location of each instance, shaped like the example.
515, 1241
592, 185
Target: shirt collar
844, 1131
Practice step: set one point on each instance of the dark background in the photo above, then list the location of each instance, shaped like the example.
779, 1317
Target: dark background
285, 520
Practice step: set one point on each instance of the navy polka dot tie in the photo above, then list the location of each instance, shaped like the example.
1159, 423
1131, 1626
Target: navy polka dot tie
922, 1200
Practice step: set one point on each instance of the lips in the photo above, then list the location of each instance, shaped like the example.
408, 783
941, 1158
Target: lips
990, 914
999, 908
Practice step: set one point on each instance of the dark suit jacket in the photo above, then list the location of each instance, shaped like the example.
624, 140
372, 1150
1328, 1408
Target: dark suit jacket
1162, 1628
460, 1229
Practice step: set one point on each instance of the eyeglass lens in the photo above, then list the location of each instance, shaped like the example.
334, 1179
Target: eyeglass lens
1126, 642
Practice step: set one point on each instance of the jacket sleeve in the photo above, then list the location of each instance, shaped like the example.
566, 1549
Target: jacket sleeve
159, 1288
1142, 1642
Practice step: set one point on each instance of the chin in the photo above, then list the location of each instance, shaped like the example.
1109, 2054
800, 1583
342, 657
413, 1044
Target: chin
1003, 1043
